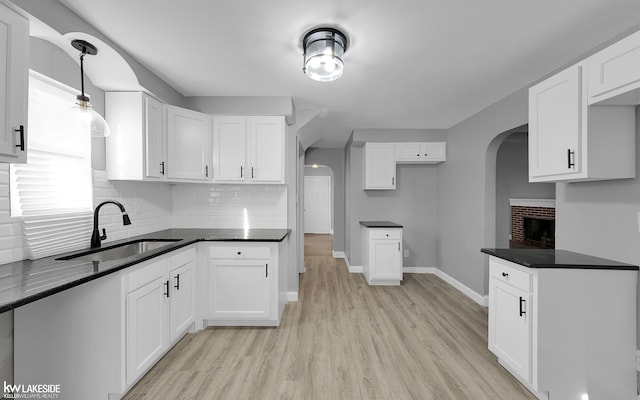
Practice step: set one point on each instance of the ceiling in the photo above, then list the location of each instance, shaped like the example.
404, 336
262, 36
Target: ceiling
410, 63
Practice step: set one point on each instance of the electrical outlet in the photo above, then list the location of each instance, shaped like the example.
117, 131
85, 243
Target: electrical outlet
406, 253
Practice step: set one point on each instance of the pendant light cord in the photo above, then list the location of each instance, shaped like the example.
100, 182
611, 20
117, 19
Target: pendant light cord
82, 54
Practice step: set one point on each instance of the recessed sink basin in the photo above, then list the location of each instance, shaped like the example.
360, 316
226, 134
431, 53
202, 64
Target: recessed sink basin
121, 251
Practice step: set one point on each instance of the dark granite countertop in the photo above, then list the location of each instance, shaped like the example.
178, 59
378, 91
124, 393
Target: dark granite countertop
549, 258
25, 281
380, 224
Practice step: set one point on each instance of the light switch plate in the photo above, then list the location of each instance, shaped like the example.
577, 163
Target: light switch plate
406, 253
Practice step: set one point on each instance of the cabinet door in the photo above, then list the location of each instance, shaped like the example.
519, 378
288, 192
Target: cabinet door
239, 289
510, 316
183, 296
555, 127
229, 149
386, 259
410, 151
14, 78
146, 327
266, 149
155, 138
614, 73
380, 166
433, 152
189, 144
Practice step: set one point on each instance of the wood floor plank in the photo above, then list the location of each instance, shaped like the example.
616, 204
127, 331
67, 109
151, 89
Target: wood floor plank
345, 340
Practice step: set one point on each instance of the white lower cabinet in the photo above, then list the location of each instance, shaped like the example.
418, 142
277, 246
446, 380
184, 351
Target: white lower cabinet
160, 308
243, 285
565, 332
382, 251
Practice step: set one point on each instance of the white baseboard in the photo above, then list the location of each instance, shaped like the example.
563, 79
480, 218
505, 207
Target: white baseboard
353, 269
338, 254
292, 296
473, 295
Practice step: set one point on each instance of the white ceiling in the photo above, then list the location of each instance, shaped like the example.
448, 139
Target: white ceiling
410, 63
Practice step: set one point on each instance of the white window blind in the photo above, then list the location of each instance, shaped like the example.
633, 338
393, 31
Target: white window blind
53, 192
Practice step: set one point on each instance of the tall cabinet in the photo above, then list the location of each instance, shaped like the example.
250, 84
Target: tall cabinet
14, 80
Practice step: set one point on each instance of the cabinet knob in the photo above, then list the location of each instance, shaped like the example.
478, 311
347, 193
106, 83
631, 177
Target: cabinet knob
387, 235
418, 155
505, 274
239, 252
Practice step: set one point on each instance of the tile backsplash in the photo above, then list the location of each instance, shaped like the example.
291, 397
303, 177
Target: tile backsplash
229, 206
157, 206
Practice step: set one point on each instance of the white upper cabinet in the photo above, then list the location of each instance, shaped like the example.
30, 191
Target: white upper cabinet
14, 84
266, 149
421, 152
248, 149
614, 73
379, 166
572, 141
229, 144
136, 148
188, 144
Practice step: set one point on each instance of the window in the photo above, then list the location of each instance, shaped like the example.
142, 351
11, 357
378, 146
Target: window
53, 191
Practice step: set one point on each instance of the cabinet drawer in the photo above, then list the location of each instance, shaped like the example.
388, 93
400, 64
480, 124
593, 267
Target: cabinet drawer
503, 272
240, 252
385, 234
146, 274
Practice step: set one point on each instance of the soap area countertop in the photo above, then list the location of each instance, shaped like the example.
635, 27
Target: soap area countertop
25, 281
551, 258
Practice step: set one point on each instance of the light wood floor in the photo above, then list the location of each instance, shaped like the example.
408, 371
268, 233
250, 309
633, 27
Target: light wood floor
343, 339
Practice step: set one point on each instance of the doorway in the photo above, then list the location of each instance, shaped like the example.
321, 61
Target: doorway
317, 204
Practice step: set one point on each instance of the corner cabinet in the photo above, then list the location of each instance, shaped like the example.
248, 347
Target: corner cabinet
248, 149
382, 253
572, 141
136, 148
379, 166
565, 332
188, 144
14, 86
242, 285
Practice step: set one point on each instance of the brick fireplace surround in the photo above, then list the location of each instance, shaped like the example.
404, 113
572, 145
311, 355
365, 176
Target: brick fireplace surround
520, 208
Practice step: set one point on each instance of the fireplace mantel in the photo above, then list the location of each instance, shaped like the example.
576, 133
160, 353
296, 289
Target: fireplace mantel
548, 203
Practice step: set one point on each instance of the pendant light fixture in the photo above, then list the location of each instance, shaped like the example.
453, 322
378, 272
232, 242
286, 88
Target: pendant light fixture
323, 52
82, 111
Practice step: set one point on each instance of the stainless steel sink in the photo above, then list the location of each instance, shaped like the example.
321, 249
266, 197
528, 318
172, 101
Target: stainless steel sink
121, 251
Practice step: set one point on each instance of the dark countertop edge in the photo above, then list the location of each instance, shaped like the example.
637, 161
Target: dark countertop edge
174, 246
379, 224
613, 265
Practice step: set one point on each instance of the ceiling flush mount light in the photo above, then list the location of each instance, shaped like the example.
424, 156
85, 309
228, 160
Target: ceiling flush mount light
82, 110
323, 51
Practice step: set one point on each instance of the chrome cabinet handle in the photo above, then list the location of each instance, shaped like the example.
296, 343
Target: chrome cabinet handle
522, 309
177, 286
162, 168
166, 285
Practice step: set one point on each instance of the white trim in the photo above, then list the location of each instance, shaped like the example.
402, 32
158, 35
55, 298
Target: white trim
338, 254
470, 293
548, 203
292, 296
353, 269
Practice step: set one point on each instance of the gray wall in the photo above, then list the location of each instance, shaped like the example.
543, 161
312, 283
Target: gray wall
413, 204
601, 218
512, 182
334, 159
467, 190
